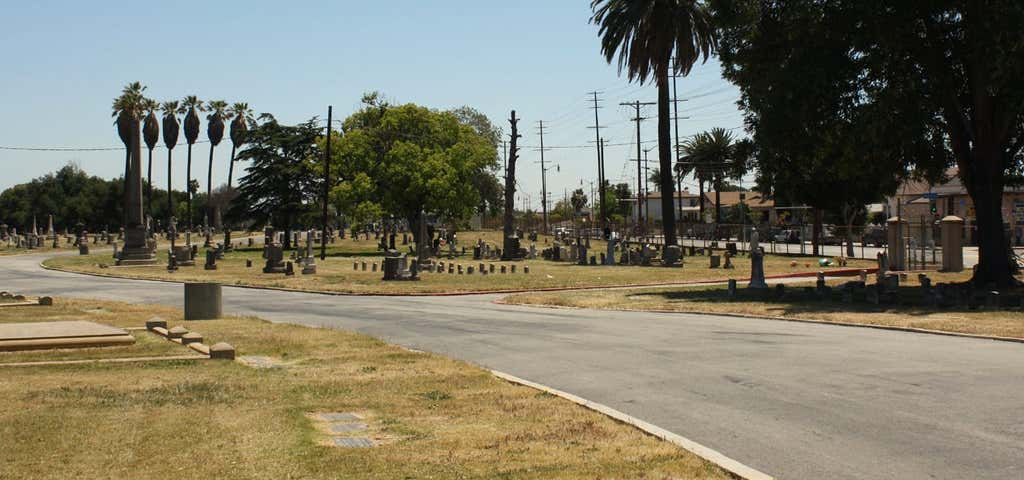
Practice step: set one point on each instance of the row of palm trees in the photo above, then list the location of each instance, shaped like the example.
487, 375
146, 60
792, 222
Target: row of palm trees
133, 108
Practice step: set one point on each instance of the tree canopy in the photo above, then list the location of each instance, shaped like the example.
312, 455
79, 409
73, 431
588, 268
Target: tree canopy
404, 159
851, 95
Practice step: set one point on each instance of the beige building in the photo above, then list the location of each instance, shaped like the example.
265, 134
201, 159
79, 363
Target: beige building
914, 201
761, 209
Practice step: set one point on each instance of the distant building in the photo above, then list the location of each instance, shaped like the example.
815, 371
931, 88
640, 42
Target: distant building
915, 201
688, 203
761, 209
684, 201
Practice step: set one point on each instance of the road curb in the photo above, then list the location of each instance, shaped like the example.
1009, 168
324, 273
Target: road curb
501, 301
732, 466
832, 273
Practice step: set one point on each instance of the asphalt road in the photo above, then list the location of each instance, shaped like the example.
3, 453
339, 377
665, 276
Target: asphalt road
795, 400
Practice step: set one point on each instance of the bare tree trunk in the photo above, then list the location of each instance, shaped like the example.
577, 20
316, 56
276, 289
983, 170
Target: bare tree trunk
668, 211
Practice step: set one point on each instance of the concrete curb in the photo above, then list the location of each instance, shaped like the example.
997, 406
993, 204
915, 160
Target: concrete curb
926, 331
732, 466
833, 273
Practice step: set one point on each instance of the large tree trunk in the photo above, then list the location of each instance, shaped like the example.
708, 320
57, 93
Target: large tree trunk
985, 185
668, 211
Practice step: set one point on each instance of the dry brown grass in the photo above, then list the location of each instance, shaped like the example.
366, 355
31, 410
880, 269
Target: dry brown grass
434, 417
1003, 322
336, 273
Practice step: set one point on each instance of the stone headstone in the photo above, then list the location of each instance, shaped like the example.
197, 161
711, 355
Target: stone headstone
731, 289
211, 260
275, 260
715, 260
289, 269
670, 255
757, 269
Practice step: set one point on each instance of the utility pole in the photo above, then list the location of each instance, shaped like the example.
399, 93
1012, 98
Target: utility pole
647, 188
543, 177
639, 180
327, 187
600, 154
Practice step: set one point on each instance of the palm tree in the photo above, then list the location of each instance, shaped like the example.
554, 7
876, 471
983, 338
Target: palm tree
129, 108
215, 133
242, 118
171, 110
646, 35
192, 106
151, 134
714, 156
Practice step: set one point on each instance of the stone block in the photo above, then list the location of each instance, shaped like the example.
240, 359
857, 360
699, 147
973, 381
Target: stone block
156, 322
203, 301
222, 351
177, 332
46, 301
191, 337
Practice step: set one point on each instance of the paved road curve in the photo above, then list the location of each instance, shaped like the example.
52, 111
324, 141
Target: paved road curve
799, 401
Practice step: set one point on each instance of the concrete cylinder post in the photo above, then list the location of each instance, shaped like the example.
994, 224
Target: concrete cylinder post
897, 244
952, 244
203, 301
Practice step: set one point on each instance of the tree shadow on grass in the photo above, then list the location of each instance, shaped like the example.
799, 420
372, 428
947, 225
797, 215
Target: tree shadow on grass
910, 300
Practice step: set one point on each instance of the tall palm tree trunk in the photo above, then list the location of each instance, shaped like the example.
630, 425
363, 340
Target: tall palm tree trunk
209, 199
188, 186
668, 211
231, 166
149, 186
170, 199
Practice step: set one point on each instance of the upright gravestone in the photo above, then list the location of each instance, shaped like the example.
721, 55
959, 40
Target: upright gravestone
757, 269
609, 258
275, 259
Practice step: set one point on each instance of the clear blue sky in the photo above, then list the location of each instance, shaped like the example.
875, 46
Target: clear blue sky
64, 62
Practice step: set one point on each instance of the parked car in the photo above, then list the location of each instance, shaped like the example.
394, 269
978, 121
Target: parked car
788, 236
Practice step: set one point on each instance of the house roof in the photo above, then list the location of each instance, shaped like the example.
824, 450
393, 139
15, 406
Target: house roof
728, 199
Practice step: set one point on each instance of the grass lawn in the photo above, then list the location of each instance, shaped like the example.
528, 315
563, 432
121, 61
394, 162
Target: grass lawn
432, 417
336, 274
1004, 322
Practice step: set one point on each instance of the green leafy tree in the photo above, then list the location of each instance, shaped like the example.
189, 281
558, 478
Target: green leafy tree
653, 38
406, 160
919, 85
279, 186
